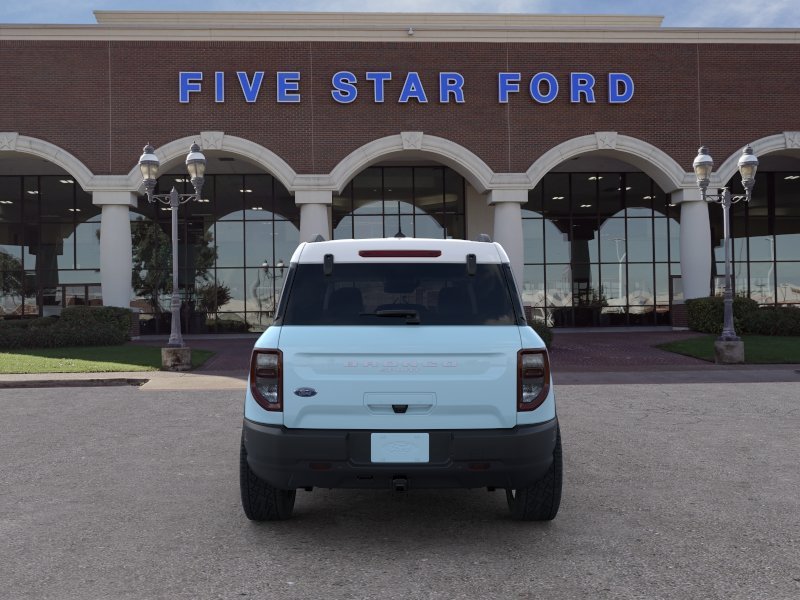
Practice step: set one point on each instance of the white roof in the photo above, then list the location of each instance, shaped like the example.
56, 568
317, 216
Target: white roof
451, 250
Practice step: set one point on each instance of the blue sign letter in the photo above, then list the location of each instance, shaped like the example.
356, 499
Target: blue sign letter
219, 86
507, 83
250, 90
288, 87
536, 88
615, 96
412, 88
451, 83
581, 83
188, 81
378, 77
344, 91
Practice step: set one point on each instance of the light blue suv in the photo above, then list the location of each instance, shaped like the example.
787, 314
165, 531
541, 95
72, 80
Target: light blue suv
400, 363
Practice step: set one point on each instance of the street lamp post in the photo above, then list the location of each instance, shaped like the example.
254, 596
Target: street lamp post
196, 166
728, 348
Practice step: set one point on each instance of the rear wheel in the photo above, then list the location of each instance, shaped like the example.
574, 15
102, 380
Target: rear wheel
540, 500
260, 500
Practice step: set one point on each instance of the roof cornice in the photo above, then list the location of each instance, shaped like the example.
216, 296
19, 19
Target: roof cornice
388, 27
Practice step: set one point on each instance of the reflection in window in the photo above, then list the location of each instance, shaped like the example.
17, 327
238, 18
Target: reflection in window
593, 229
766, 239
415, 201
233, 247
48, 239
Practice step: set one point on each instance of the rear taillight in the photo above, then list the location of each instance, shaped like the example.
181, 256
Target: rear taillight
266, 374
533, 378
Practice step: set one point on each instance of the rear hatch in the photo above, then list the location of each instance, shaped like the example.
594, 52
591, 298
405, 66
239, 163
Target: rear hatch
405, 334
410, 377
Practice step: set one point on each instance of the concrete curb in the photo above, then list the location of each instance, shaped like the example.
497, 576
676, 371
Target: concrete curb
51, 383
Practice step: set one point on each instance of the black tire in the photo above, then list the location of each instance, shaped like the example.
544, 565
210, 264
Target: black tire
261, 501
540, 500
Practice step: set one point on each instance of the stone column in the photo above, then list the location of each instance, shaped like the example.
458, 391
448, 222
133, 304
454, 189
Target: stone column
695, 243
314, 213
508, 227
116, 254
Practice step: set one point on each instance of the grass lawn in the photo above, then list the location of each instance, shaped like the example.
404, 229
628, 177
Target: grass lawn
758, 349
93, 359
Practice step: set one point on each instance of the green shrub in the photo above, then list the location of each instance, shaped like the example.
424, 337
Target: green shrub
114, 316
544, 332
706, 315
77, 326
228, 326
775, 321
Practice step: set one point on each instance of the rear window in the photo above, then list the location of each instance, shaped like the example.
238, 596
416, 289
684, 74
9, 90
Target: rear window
397, 294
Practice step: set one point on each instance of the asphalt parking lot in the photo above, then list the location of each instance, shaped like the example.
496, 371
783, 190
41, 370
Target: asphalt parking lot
671, 491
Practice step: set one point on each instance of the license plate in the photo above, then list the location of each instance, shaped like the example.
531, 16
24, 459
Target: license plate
400, 447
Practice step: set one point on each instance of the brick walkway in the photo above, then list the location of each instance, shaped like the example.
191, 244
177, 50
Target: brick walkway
619, 351
572, 351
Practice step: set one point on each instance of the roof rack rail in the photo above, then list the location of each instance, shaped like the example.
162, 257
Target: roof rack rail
484, 237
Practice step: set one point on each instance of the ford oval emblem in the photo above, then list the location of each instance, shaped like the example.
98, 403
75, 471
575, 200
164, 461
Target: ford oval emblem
305, 392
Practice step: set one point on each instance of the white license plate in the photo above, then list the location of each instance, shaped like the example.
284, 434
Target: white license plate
400, 447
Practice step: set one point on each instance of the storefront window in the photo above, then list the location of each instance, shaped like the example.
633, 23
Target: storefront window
234, 250
415, 201
765, 240
599, 249
49, 246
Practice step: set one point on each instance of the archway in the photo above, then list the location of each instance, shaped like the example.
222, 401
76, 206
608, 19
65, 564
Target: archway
49, 230
234, 244
601, 243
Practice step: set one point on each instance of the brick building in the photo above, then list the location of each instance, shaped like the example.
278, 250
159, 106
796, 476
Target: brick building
569, 139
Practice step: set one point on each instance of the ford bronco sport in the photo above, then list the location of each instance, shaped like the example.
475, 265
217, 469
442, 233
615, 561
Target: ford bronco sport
400, 363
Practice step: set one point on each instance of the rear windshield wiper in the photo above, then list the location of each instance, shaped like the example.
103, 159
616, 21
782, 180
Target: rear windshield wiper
411, 314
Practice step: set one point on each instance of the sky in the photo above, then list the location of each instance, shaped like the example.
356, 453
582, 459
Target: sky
677, 13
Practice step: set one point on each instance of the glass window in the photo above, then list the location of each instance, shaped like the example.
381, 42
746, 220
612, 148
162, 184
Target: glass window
611, 194
87, 244
429, 191
30, 200
10, 199
556, 196
583, 192
614, 283
533, 288
394, 293
533, 207
787, 216
398, 190
533, 233
640, 240
454, 201
613, 241
229, 240
368, 226
788, 276
428, 226
557, 245
258, 247
228, 197
368, 192
762, 282
57, 198
639, 195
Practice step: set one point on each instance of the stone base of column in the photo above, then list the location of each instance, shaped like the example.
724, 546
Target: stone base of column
729, 353
176, 359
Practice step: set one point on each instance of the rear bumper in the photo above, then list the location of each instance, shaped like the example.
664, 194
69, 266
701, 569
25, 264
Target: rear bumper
299, 458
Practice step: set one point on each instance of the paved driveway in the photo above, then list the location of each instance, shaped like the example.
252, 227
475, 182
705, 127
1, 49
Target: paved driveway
671, 491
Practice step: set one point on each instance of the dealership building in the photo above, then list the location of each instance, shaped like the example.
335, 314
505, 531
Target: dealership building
568, 139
